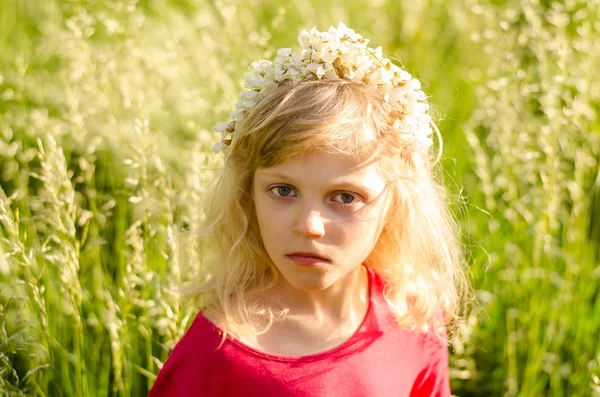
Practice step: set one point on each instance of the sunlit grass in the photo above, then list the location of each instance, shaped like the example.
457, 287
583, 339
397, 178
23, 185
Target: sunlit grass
106, 111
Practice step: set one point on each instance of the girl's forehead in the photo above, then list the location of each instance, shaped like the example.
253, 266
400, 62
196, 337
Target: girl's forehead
322, 167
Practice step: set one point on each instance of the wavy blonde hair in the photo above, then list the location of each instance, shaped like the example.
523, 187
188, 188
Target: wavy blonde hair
418, 253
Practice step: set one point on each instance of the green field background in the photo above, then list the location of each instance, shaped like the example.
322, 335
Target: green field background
106, 112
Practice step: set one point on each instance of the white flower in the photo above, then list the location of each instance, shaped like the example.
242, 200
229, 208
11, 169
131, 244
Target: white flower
334, 42
287, 52
354, 61
237, 114
248, 95
219, 147
224, 127
316, 68
258, 67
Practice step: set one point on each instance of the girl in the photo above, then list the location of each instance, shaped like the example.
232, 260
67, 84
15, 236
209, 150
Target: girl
337, 265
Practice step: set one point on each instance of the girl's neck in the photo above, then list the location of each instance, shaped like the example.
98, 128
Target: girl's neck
346, 300
316, 321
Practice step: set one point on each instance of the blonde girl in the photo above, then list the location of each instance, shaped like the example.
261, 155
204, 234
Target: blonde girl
337, 267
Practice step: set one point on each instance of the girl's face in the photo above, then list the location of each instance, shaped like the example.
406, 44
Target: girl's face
321, 205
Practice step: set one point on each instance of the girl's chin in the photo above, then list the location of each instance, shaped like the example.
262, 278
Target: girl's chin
317, 281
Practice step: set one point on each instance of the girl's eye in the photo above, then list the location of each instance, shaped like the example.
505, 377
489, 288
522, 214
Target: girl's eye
346, 198
282, 191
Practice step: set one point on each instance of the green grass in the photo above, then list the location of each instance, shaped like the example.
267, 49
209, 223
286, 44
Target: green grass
106, 111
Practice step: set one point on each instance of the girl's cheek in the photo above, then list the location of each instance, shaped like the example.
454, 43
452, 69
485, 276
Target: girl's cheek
353, 229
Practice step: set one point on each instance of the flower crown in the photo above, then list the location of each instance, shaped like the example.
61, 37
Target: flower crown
338, 54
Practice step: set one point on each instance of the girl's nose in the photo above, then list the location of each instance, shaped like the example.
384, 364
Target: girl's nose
310, 224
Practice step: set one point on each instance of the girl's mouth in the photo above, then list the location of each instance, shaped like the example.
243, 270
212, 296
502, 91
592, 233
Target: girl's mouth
307, 258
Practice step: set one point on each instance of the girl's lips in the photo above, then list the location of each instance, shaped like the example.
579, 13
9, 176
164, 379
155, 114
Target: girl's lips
307, 260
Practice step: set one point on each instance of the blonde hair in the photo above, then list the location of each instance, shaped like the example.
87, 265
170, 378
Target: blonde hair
418, 253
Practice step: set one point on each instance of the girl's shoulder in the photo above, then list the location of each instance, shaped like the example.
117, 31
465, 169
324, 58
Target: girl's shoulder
199, 346
202, 339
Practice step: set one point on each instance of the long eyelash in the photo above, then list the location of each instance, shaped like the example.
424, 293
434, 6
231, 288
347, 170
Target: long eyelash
272, 188
356, 199
339, 204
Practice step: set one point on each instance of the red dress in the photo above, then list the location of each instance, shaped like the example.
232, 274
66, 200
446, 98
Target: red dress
380, 359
